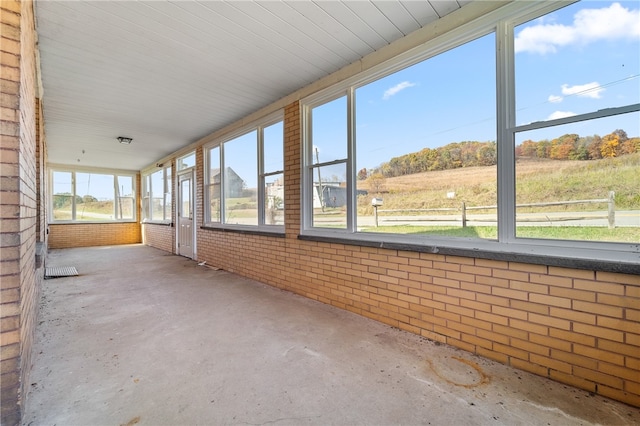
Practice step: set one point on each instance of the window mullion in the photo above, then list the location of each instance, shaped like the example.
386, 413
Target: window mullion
307, 175
206, 183
505, 122
73, 196
223, 215
165, 186
261, 179
351, 161
116, 198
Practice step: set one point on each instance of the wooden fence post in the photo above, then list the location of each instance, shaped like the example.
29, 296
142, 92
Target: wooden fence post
464, 214
375, 214
612, 210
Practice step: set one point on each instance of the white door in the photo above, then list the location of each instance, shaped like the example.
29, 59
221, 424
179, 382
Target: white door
185, 215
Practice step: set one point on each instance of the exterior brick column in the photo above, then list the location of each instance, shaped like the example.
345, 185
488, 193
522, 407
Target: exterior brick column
19, 278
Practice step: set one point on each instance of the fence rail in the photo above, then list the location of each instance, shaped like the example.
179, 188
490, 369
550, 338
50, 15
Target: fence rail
463, 209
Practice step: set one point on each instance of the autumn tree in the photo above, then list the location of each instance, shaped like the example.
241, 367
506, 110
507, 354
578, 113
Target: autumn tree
610, 144
595, 151
486, 155
362, 173
377, 182
630, 146
527, 148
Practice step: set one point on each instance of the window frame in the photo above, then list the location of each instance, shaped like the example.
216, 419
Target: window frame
181, 165
502, 22
53, 168
258, 126
148, 194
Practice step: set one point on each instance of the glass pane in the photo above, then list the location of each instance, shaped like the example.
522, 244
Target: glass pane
124, 188
125, 208
214, 184
577, 59
580, 181
94, 200
157, 188
145, 209
186, 161
330, 196
185, 193
273, 148
329, 131
214, 203
146, 186
426, 146
168, 192
62, 196
241, 180
274, 200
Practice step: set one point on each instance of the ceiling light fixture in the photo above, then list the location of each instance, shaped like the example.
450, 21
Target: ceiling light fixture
124, 140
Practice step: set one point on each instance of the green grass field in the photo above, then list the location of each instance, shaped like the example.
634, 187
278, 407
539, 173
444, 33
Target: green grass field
537, 180
585, 233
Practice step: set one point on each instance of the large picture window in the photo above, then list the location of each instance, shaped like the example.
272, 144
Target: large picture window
519, 132
426, 146
576, 131
88, 196
244, 185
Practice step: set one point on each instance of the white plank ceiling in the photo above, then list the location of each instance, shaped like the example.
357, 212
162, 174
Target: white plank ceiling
167, 73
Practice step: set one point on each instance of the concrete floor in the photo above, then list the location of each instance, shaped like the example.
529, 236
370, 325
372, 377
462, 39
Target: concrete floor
144, 337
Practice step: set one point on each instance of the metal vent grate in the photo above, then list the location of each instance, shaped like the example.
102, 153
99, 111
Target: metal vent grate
60, 271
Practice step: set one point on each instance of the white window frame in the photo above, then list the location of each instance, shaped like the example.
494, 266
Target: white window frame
181, 166
167, 194
116, 200
258, 126
502, 22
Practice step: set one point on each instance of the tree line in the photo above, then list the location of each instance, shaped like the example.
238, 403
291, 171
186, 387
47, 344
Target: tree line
574, 147
64, 199
474, 153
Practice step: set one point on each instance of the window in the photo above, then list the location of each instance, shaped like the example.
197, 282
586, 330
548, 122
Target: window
156, 187
329, 175
186, 161
530, 145
84, 196
244, 178
426, 145
239, 179
577, 165
272, 174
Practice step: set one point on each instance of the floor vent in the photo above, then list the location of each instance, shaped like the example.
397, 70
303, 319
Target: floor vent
60, 271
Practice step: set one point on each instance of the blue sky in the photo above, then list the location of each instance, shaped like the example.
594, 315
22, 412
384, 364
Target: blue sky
579, 59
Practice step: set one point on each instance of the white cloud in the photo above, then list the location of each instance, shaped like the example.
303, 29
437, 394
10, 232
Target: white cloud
555, 99
561, 114
609, 23
589, 90
395, 89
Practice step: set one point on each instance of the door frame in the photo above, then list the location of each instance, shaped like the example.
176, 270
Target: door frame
192, 176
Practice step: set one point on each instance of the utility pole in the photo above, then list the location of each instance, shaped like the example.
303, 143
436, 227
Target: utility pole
319, 181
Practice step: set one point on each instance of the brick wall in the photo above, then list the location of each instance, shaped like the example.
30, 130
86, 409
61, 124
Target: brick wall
20, 279
159, 236
578, 327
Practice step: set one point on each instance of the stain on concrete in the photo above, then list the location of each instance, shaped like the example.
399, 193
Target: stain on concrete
133, 421
458, 371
